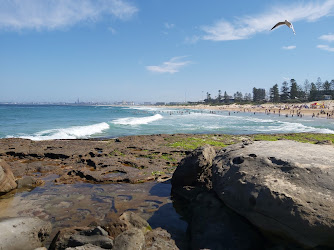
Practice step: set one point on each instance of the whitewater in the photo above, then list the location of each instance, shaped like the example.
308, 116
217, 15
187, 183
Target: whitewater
48, 122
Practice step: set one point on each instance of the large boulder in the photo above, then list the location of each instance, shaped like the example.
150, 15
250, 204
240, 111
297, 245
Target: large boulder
23, 233
159, 239
195, 169
7, 179
131, 239
80, 237
282, 187
133, 220
214, 226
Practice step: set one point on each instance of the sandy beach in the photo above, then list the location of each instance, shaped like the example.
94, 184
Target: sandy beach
322, 109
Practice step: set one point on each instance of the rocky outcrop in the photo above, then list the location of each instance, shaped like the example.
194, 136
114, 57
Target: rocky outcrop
195, 169
141, 236
159, 239
133, 220
129, 231
214, 226
79, 237
283, 187
23, 233
211, 225
7, 180
131, 239
133, 159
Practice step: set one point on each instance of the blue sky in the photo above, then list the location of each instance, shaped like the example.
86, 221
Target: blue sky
159, 50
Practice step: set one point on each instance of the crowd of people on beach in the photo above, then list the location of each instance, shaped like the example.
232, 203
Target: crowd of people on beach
324, 110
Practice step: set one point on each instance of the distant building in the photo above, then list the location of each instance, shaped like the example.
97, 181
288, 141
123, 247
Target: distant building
160, 103
147, 103
327, 97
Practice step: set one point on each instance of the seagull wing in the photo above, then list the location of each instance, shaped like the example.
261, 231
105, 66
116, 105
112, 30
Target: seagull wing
277, 24
293, 29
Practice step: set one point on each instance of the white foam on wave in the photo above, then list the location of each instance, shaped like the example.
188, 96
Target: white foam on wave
153, 109
286, 127
76, 132
137, 120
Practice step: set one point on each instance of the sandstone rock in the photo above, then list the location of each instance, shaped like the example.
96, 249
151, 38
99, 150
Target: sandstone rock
130, 240
133, 220
115, 227
159, 239
7, 180
28, 182
283, 187
85, 247
23, 233
76, 237
195, 169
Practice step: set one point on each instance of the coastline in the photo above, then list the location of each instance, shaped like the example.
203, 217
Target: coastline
95, 181
324, 109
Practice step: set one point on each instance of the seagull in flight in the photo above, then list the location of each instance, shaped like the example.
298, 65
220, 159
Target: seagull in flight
287, 23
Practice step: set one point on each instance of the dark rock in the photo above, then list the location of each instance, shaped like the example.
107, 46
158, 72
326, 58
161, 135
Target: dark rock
75, 237
23, 233
7, 180
195, 169
214, 226
286, 190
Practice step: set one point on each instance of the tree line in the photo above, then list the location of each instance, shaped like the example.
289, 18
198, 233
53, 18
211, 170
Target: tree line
288, 92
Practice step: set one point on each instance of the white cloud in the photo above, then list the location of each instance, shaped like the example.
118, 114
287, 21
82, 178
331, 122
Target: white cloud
51, 14
172, 66
245, 27
289, 47
329, 37
325, 47
112, 30
169, 25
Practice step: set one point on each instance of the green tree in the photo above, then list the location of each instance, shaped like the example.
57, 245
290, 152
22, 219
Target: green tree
238, 96
301, 92
313, 93
219, 97
259, 95
274, 94
285, 92
319, 84
248, 97
226, 97
208, 98
293, 89
326, 87
307, 87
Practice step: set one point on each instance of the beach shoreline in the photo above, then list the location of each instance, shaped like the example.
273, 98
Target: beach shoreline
323, 109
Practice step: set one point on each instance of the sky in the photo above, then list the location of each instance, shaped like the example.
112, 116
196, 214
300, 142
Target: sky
159, 50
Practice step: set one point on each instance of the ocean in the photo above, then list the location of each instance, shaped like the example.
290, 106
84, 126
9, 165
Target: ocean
46, 122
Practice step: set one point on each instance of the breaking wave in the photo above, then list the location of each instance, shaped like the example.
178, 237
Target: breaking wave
76, 132
137, 121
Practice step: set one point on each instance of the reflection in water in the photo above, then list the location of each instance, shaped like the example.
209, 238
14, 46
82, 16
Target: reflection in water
81, 204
